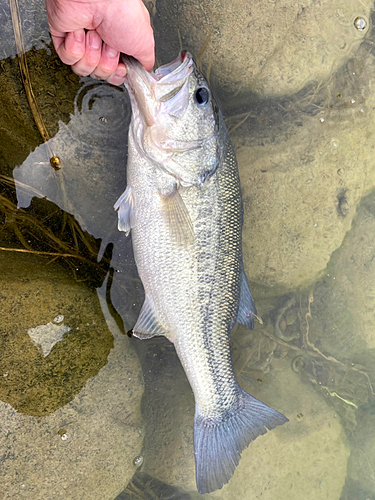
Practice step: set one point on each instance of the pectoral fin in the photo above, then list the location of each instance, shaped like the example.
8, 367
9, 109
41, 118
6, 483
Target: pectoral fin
125, 207
177, 218
246, 309
148, 325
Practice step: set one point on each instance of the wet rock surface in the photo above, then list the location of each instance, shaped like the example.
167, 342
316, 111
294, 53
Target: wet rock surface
54, 86
263, 48
153, 488
343, 309
314, 431
168, 401
33, 22
360, 479
33, 295
305, 164
78, 426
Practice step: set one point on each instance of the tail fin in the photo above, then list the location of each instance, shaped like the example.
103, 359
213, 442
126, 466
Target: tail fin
219, 441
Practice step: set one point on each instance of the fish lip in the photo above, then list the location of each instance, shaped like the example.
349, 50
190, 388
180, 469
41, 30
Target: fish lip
147, 89
175, 70
167, 73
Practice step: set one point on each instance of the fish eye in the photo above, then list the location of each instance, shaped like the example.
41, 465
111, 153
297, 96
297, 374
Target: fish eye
202, 96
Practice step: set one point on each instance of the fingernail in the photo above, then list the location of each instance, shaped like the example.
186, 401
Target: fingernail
111, 52
120, 72
78, 36
94, 41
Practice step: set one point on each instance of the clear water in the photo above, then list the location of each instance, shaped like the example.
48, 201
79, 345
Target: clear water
88, 413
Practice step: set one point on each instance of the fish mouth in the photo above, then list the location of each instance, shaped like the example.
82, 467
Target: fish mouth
163, 90
164, 74
179, 68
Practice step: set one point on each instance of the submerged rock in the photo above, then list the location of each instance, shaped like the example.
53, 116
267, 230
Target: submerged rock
344, 301
306, 459
263, 48
305, 164
33, 295
360, 478
33, 24
264, 471
78, 426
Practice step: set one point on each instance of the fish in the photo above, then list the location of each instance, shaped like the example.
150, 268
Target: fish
184, 209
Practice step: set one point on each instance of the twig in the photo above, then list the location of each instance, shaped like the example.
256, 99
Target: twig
56, 254
328, 358
232, 129
16, 20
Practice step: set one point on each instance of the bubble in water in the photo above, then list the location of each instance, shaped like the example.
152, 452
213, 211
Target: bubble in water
63, 434
59, 319
138, 461
360, 23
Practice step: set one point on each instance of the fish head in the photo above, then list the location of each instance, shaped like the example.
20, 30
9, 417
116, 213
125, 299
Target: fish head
176, 123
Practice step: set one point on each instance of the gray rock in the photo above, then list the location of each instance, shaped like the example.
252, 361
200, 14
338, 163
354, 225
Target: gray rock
344, 301
34, 25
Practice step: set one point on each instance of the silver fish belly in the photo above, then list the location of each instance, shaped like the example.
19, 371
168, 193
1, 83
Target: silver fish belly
183, 205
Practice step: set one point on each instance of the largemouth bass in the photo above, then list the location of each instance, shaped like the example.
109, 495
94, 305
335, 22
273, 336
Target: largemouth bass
183, 205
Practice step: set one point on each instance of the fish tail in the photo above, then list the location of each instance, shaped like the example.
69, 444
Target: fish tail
219, 440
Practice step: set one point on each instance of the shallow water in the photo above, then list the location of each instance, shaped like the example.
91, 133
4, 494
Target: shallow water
89, 413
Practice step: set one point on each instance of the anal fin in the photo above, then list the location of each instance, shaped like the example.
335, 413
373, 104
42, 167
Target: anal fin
246, 308
148, 325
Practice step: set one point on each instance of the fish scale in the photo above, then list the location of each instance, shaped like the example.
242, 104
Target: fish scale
183, 205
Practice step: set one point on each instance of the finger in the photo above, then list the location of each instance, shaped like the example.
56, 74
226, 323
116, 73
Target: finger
143, 37
145, 52
131, 32
70, 46
108, 62
118, 77
147, 56
91, 58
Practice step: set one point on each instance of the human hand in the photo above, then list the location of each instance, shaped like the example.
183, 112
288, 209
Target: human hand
113, 26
